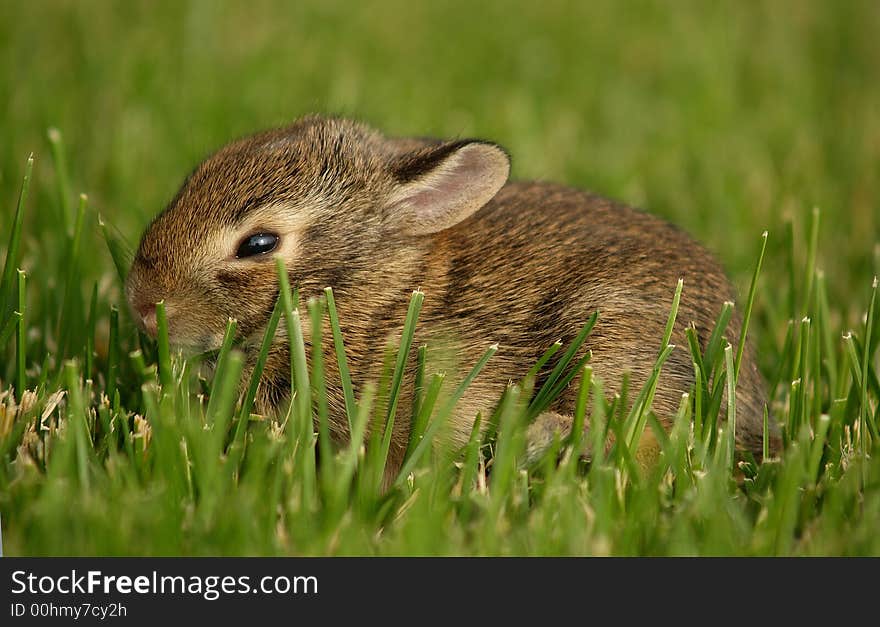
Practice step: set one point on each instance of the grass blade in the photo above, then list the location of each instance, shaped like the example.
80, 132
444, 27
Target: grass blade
810, 270
426, 407
259, 365
348, 462
406, 340
319, 385
576, 436
56, 144
9, 327
303, 430
747, 314
534, 370
731, 399
713, 357
638, 416
225, 347
864, 412
544, 397
344, 375
120, 252
419, 383
765, 442
471, 459
21, 345
12, 249
70, 303
90, 333
113, 352
223, 395
166, 377
79, 426
435, 425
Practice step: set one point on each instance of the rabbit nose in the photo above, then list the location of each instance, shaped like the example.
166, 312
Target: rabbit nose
147, 312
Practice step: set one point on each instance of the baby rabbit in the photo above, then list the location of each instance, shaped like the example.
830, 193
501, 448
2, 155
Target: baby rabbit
521, 264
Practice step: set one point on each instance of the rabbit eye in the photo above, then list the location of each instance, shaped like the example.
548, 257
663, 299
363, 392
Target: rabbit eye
257, 244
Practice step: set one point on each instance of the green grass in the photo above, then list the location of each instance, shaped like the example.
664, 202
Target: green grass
729, 119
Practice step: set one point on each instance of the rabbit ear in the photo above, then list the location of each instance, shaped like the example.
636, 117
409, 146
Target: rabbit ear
439, 186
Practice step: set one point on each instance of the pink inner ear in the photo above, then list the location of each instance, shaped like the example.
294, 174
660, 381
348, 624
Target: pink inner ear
454, 189
448, 187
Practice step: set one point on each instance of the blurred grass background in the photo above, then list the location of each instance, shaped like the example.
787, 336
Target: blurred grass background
728, 118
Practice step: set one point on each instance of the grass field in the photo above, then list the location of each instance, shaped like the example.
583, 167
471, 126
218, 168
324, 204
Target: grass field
729, 119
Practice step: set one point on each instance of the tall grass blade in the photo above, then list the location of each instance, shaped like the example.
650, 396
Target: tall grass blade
225, 348
21, 345
76, 416
166, 377
445, 411
810, 270
350, 455
534, 370
426, 408
9, 327
471, 460
221, 405
70, 303
637, 419
714, 355
419, 383
7, 289
91, 324
342, 363
120, 252
257, 372
864, 413
113, 353
318, 382
731, 399
56, 144
406, 340
545, 394
747, 314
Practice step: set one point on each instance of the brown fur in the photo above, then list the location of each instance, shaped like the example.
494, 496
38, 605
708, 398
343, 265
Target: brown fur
525, 270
